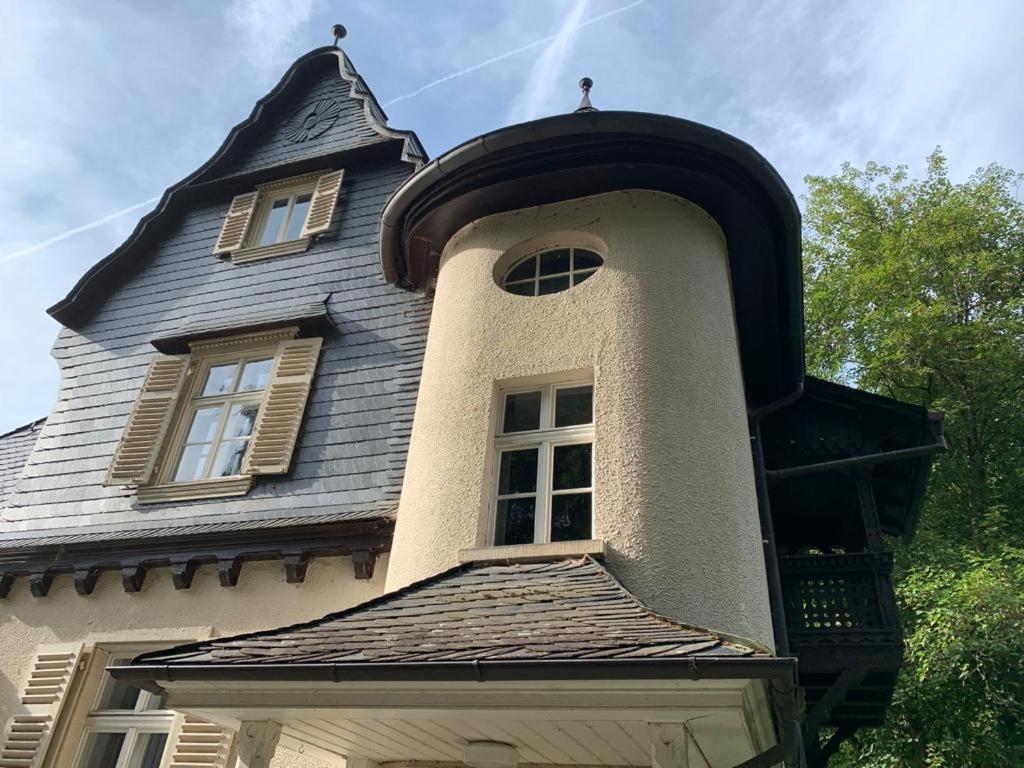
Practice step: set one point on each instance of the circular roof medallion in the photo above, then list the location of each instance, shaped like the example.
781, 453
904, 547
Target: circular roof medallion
312, 120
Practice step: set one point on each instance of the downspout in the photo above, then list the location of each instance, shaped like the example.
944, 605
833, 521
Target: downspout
764, 510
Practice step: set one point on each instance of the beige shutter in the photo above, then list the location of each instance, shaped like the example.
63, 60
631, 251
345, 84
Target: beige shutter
29, 730
236, 223
277, 424
147, 424
199, 744
321, 208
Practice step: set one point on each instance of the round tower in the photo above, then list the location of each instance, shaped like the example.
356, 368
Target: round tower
591, 363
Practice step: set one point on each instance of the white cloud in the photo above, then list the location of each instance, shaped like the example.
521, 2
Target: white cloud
266, 28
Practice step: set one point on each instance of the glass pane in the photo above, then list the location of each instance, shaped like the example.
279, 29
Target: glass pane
518, 472
102, 750
241, 417
299, 211
583, 259
255, 375
522, 270
229, 458
553, 285
579, 277
220, 379
154, 702
514, 522
522, 412
274, 219
521, 289
553, 262
574, 405
193, 463
570, 517
148, 749
204, 424
117, 695
572, 467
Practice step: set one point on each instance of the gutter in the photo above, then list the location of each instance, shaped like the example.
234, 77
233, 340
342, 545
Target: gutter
775, 475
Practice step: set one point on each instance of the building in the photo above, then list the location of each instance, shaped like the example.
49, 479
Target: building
508, 457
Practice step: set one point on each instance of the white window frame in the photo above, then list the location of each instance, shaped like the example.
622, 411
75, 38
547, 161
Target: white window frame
536, 278
266, 204
133, 723
545, 439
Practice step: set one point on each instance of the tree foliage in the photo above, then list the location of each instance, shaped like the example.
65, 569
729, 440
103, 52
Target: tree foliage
915, 289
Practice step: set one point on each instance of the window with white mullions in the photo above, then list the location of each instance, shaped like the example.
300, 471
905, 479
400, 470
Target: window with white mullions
127, 728
222, 416
284, 218
551, 271
544, 465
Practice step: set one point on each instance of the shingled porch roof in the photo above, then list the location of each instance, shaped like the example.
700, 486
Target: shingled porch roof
563, 610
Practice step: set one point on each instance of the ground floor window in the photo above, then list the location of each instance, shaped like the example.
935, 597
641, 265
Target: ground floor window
126, 727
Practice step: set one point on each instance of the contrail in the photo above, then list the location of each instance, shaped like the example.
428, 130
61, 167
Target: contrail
433, 84
75, 231
509, 54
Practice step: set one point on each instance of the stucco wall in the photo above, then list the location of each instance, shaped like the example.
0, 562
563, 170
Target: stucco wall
261, 600
674, 489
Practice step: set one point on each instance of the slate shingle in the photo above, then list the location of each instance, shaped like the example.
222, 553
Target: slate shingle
15, 447
564, 610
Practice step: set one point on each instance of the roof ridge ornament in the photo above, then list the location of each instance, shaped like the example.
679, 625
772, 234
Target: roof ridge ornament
339, 33
585, 106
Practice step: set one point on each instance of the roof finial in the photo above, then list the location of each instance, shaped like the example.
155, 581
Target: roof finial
339, 32
585, 106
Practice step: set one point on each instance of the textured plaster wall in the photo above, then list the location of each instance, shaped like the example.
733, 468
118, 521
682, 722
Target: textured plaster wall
261, 599
674, 487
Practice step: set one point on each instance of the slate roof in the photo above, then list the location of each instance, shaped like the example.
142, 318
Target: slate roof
564, 610
15, 447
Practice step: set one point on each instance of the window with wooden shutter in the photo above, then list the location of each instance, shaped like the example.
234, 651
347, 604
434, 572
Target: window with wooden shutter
238, 416
236, 223
325, 198
280, 217
280, 416
28, 732
148, 422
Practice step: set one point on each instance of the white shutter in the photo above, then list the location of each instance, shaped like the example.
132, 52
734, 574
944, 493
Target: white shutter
321, 207
199, 744
148, 422
236, 223
29, 730
280, 417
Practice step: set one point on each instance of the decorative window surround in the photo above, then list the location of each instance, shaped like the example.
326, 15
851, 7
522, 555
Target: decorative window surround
242, 235
159, 430
532, 553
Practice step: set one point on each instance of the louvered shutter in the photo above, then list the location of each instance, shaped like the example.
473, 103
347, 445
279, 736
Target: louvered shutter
277, 424
236, 223
321, 208
147, 424
29, 730
199, 744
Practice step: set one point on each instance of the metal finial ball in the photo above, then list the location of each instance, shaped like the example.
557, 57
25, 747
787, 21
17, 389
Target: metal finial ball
338, 31
586, 83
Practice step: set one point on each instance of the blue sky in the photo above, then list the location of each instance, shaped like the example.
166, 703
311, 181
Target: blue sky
104, 104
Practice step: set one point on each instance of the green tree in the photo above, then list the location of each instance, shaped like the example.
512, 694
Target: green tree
915, 289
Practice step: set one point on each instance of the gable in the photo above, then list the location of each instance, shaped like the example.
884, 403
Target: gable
267, 138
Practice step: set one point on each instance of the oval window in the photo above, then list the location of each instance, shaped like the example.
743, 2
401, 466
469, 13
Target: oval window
551, 271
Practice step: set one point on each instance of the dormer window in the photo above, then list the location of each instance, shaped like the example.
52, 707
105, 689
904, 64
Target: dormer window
279, 218
543, 476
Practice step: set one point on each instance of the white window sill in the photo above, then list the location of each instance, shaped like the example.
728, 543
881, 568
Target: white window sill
244, 255
531, 553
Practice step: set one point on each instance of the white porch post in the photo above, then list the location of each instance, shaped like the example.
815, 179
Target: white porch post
257, 742
670, 745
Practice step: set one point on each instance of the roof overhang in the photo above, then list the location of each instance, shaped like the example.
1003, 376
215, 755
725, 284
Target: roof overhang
551, 712
580, 154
